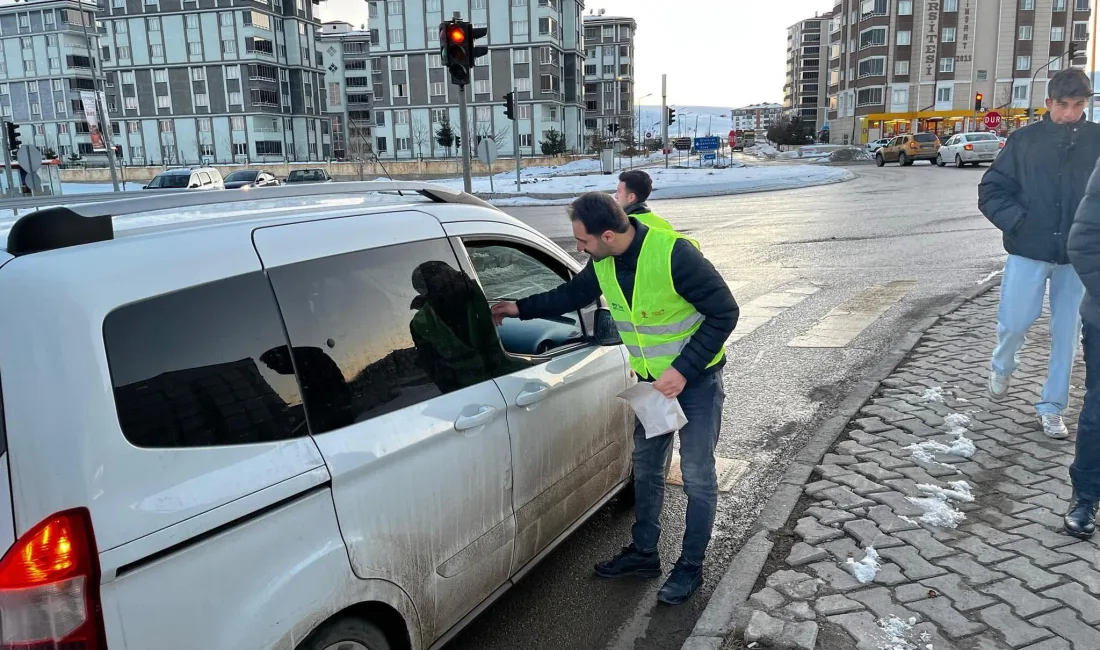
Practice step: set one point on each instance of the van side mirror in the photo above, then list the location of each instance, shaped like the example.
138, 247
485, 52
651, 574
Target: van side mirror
606, 331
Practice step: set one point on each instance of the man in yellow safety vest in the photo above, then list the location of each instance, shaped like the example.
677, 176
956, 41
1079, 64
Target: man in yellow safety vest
675, 313
633, 191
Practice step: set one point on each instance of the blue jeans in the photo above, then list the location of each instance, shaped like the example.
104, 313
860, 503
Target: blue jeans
702, 402
1085, 471
1022, 292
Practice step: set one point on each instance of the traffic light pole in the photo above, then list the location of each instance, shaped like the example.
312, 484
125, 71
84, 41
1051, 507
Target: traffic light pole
7, 163
467, 182
515, 139
664, 116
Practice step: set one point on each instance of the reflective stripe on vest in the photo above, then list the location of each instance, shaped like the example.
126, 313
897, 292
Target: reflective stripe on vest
659, 322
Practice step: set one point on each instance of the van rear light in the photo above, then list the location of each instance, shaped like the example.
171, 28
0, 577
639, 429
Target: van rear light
49, 587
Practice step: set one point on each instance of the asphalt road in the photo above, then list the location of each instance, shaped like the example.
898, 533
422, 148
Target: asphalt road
918, 224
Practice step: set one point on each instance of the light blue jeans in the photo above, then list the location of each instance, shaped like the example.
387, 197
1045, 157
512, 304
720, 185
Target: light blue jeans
1022, 291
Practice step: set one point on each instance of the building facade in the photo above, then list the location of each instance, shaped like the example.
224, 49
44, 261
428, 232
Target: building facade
755, 116
349, 90
184, 81
804, 95
536, 48
898, 66
609, 79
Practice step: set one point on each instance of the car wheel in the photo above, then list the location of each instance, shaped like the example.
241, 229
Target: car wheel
879, 160
903, 160
347, 634
959, 164
939, 161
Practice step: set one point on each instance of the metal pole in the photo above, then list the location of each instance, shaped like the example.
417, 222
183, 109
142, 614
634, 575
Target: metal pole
101, 106
7, 162
515, 135
1092, 66
664, 116
467, 182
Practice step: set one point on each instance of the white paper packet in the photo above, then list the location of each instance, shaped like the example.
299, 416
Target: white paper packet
659, 415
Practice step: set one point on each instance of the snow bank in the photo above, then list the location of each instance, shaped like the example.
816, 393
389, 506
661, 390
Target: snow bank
762, 150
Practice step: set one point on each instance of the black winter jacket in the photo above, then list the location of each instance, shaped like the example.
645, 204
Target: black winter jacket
1032, 190
693, 277
1084, 248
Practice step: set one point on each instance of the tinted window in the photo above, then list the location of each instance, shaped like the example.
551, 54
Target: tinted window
170, 180
376, 331
203, 367
245, 176
925, 137
981, 137
509, 272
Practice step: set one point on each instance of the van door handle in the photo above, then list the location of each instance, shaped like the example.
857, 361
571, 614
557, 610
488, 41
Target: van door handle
532, 393
485, 415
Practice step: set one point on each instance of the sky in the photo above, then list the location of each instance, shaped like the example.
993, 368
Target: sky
723, 53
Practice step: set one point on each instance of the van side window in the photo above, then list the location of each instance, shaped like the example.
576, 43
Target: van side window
379, 330
202, 367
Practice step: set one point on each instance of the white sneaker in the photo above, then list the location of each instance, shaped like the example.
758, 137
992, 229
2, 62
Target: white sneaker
1054, 426
998, 384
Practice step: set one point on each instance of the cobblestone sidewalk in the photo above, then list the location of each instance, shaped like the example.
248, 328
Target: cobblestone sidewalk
960, 499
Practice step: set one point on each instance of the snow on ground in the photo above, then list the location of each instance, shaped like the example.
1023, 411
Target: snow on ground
762, 150
896, 633
866, 569
934, 394
939, 509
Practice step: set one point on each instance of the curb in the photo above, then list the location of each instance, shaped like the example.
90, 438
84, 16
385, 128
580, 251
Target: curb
723, 611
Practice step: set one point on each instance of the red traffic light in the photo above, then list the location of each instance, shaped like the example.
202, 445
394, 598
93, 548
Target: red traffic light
456, 35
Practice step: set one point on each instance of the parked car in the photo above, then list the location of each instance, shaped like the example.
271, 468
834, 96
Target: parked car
289, 426
249, 178
905, 149
187, 178
969, 149
309, 176
877, 144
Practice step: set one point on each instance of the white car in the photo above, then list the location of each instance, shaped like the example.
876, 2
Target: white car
283, 418
969, 149
878, 144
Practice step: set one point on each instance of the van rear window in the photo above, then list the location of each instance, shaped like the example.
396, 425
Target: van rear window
203, 367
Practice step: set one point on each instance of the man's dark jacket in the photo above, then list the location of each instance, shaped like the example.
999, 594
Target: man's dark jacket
694, 278
1084, 248
1032, 190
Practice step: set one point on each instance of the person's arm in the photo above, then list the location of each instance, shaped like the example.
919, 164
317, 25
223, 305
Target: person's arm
1084, 237
698, 282
579, 292
999, 191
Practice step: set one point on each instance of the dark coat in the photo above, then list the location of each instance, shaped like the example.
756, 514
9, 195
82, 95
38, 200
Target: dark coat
1084, 248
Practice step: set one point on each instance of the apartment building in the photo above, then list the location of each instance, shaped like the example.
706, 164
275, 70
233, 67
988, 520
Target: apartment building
184, 81
536, 47
898, 66
755, 116
804, 93
608, 78
349, 89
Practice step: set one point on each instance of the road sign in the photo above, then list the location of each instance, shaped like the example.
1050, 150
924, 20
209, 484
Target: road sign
29, 157
706, 144
710, 156
487, 151
733, 139
992, 120
682, 144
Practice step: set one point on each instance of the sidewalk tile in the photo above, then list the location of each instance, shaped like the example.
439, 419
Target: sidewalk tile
1069, 627
839, 459
912, 564
814, 533
1056, 643
954, 624
864, 438
1039, 554
802, 553
869, 534
982, 552
990, 535
1087, 551
837, 578
874, 471
1076, 597
1043, 517
1061, 489
929, 547
960, 593
1016, 631
888, 522
1082, 572
881, 602
845, 498
829, 516
860, 484
860, 626
830, 472
1023, 600
1022, 476
888, 461
1045, 536
1033, 576
813, 489
836, 604
965, 565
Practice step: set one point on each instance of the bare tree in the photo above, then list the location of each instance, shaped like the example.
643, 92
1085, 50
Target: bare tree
359, 148
421, 134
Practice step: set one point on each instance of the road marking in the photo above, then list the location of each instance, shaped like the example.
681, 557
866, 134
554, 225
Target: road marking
758, 311
729, 471
846, 321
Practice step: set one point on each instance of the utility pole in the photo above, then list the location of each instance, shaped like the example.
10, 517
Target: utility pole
1092, 67
515, 141
101, 105
7, 163
664, 116
467, 182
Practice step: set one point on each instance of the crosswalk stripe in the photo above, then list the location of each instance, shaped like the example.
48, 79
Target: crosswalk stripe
729, 471
760, 310
846, 321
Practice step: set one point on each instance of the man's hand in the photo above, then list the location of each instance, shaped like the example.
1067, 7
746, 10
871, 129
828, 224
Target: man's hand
671, 383
503, 310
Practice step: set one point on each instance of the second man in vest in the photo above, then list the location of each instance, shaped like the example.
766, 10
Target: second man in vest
675, 313
633, 191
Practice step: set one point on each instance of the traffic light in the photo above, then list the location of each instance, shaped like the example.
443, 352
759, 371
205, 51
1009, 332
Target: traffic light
460, 48
510, 106
670, 115
977, 102
13, 135
1072, 51
458, 141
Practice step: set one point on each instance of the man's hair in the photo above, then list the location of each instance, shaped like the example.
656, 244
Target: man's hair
1070, 83
638, 183
599, 213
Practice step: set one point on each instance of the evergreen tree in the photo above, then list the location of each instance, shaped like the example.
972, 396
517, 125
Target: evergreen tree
554, 144
445, 136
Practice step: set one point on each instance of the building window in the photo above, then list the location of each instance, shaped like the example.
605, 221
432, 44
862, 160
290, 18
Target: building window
948, 35
947, 64
523, 84
28, 67
901, 97
397, 63
380, 119
905, 7
873, 37
1057, 33
165, 126
548, 27
483, 114
904, 37
164, 101
36, 109
381, 146
1019, 92
157, 50
160, 76
439, 89
124, 52
204, 124
1023, 63
482, 87
130, 103
232, 72
24, 20
372, 9
1080, 31
943, 95
235, 99
269, 148
438, 114
589, 70
395, 7
868, 96
192, 21
194, 48
520, 28
1025, 32
950, 5
201, 99
435, 61
550, 84
400, 117
521, 56
872, 67
128, 77
229, 46
400, 90
871, 8
48, 17
153, 24
226, 19
523, 112
525, 139
1027, 5
1055, 63
396, 36
1059, 5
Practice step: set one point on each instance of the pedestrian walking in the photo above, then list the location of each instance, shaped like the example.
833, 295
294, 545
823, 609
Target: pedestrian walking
1031, 193
633, 191
675, 324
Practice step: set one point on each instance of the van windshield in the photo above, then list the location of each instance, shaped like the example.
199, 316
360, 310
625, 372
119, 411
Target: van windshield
172, 181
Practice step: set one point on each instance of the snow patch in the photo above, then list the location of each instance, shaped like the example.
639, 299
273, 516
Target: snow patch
938, 507
957, 421
934, 394
896, 632
866, 569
